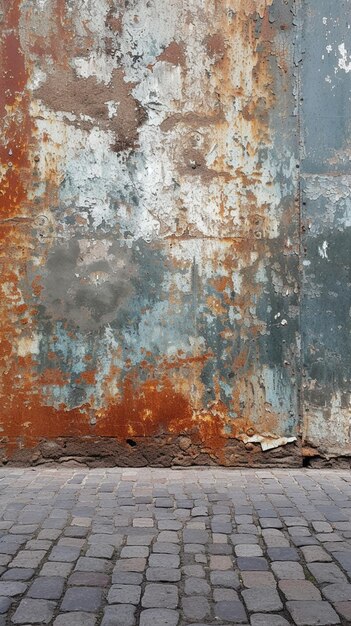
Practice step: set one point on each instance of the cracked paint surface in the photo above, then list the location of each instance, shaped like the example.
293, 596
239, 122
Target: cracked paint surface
150, 230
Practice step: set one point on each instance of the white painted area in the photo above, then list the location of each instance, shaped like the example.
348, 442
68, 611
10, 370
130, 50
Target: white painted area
96, 64
345, 61
268, 441
27, 346
36, 79
323, 250
112, 108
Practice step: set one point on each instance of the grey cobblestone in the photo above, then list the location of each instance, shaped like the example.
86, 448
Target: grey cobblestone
47, 588
161, 617
82, 599
75, 619
160, 596
124, 594
32, 611
163, 548
312, 613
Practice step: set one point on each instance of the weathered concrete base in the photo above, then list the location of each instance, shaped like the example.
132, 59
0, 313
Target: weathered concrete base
321, 462
161, 451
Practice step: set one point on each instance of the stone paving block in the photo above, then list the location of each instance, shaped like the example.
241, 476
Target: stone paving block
231, 610
164, 503
164, 560
264, 599
139, 540
337, 592
100, 551
89, 579
31, 611
344, 608
332, 546
251, 564
224, 595
248, 550
221, 562
5, 559
295, 521
195, 607
344, 558
195, 536
283, 554
194, 570
160, 596
75, 619
162, 574
28, 558
124, 594
56, 569
196, 586
299, 590
328, 537
288, 570
159, 617
64, 554
225, 579
12, 588
270, 522
126, 578
219, 548
129, 552
143, 522
312, 613
260, 619
169, 536
258, 579
326, 572
315, 553
120, 615
305, 541
5, 604
88, 564
86, 599
322, 527
169, 524
46, 588
243, 539
166, 548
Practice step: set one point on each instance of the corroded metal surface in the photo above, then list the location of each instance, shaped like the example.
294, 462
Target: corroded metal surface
326, 213
150, 230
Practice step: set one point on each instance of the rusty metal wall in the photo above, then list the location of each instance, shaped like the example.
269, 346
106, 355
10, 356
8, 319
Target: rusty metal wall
150, 231
326, 216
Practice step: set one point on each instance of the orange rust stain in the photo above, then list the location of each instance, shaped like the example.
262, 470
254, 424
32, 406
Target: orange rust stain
36, 286
16, 124
174, 53
88, 377
216, 46
153, 408
145, 409
221, 283
53, 376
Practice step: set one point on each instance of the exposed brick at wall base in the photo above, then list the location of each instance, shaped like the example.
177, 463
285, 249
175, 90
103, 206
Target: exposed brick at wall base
161, 451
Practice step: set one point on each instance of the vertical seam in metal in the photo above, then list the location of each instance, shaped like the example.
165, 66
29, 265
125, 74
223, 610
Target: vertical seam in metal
298, 62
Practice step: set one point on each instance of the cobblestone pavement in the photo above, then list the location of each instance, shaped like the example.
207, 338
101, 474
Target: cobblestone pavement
165, 547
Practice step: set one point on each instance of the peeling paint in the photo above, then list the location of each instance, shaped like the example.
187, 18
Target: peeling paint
150, 228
